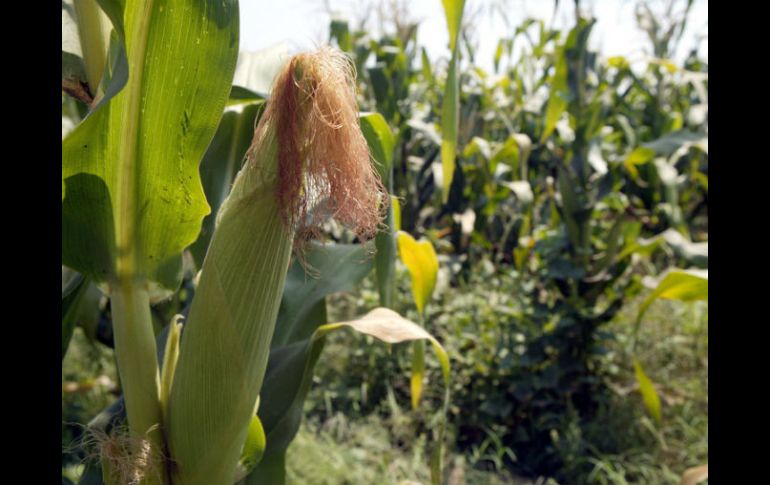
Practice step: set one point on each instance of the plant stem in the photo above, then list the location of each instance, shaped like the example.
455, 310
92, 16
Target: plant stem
138, 367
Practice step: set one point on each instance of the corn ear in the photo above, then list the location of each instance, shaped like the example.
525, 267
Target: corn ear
227, 336
308, 162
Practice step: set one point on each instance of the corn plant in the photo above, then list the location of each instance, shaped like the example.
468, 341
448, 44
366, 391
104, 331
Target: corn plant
132, 201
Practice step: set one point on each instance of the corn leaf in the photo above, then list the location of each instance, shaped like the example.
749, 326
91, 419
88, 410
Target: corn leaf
449, 121
427, 71
453, 10
649, 394
381, 145
421, 261
558, 99
130, 170
638, 156
221, 162
682, 285
381, 142
671, 142
71, 295
331, 269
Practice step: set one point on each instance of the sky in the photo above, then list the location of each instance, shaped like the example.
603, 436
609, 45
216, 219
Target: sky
304, 24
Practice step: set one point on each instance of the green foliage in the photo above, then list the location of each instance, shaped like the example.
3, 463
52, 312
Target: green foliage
145, 186
576, 195
550, 189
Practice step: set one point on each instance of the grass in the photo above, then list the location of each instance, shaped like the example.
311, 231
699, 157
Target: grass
339, 452
621, 446
673, 343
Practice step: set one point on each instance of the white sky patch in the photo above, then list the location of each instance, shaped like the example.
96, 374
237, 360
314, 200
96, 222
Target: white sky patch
304, 24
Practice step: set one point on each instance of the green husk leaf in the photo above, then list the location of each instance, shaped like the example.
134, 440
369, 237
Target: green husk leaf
227, 335
453, 10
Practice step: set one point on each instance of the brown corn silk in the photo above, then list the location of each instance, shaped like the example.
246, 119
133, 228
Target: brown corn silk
324, 168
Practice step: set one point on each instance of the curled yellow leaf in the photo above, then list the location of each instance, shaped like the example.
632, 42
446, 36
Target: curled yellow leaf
421, 261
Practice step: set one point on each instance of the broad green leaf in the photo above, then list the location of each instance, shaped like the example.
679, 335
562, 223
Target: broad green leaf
557, 101
70, 38
290, 374
220, 164
570, 207
383, 91
678, 284
381, 142
421, 261
668, 144
331, 269
134, 199
683, 285
638, 156
449, 122
499, 53
427, 71
385, 260
340, 31
649, 394
453, 10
